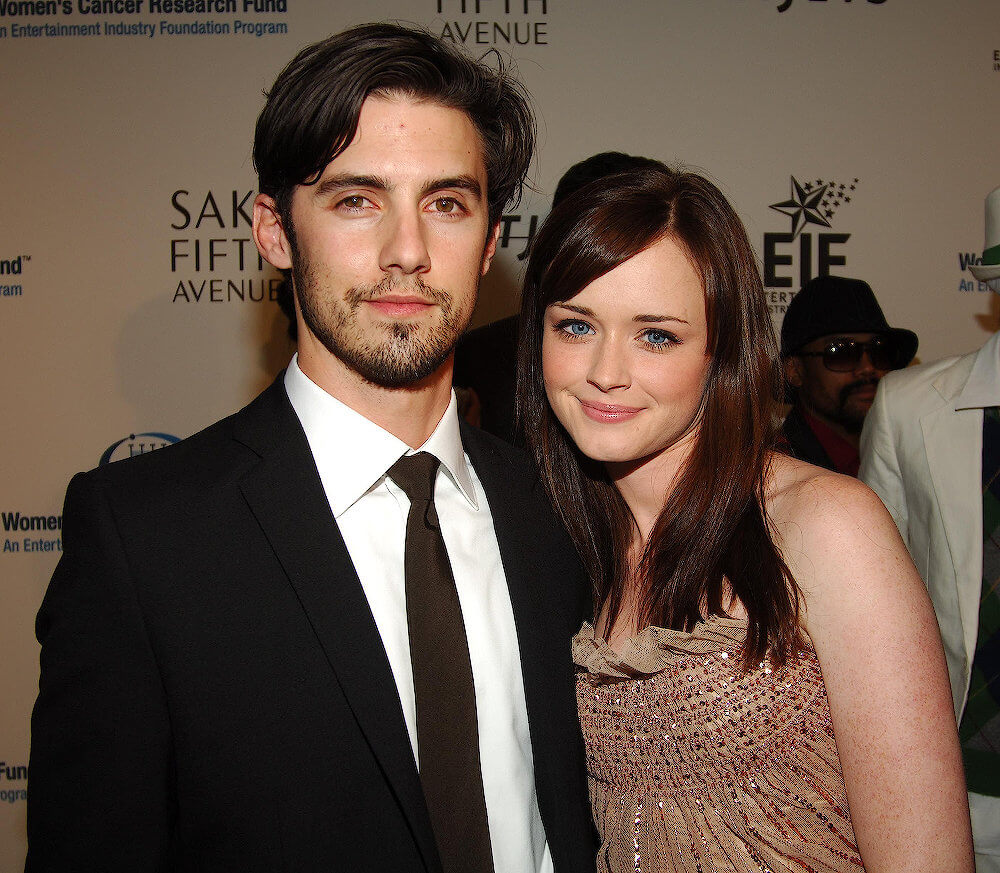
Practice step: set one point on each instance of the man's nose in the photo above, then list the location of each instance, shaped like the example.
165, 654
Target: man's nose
865, 366
404, 246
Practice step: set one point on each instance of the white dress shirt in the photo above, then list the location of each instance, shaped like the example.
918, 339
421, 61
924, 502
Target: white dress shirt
352, 455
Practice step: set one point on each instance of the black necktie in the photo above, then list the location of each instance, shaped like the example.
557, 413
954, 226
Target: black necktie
447, 729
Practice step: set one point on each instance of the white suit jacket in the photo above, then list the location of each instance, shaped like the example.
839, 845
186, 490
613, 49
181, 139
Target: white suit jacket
921, 452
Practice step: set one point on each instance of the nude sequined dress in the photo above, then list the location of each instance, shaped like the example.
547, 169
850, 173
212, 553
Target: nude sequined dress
696, 767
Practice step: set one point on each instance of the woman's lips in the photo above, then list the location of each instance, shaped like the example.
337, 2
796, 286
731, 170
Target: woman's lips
608, 412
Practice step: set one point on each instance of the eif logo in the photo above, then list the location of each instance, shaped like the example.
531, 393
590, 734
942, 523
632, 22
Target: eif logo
793, 258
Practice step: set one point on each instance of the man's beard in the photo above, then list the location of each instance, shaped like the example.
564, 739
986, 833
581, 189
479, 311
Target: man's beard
405, 353
848, 418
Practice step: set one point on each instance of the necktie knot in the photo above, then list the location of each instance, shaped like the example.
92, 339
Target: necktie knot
415, 474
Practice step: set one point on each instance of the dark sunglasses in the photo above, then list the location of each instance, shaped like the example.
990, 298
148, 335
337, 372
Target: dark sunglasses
842, 356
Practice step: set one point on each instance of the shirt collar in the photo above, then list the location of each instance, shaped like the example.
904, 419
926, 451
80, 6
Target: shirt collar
352, 454
983, 386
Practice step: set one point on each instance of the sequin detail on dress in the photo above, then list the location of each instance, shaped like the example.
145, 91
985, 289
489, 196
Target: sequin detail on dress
696, 767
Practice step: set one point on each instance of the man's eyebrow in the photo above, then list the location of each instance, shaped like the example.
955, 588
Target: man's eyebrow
350, 180
463, 183
340, 181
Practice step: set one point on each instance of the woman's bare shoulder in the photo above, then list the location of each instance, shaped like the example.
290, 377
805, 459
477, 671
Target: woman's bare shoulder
821, 518
804, 494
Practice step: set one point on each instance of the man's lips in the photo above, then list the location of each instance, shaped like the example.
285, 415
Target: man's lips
608, 412
864, 391
400, 305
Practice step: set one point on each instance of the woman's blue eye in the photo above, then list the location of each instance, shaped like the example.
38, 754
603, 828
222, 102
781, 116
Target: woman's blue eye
658, 337
576, 328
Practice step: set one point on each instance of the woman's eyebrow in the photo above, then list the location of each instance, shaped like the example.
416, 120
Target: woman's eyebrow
653, 319
640, 319
581, 310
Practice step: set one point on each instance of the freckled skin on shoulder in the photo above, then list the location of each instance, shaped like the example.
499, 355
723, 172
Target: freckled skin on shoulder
868, 615
813, 510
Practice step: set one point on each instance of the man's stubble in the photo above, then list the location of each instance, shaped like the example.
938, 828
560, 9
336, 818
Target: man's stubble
405, 353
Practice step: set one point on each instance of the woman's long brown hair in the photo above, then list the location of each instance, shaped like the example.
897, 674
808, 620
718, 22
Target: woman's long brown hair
712, 539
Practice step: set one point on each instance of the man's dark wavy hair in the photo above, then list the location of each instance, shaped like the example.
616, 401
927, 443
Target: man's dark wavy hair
311, 113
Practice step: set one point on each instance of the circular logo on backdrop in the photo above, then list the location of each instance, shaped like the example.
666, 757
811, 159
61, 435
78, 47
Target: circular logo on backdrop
137, 444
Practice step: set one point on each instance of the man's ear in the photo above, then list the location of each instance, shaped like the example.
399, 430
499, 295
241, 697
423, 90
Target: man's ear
269, 233
793, 371
491, 248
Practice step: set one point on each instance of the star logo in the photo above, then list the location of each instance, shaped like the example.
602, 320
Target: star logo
803, 207
814, 202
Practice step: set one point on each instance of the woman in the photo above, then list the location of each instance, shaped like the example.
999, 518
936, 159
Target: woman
764, 687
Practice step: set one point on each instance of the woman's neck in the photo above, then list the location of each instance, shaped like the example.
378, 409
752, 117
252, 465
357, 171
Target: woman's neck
646, 484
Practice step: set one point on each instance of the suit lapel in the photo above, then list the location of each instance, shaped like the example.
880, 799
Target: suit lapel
287, 499
953, 442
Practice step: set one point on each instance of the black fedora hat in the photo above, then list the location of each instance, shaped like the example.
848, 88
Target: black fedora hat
835, 304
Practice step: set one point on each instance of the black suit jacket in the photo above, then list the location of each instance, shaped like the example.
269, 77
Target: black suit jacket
802, 442
214, 694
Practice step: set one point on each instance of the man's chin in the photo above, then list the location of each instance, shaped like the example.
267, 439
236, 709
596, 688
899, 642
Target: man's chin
859, 406
853, 417
400, 362
388, 351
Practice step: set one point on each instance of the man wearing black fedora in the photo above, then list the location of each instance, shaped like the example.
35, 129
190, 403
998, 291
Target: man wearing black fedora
835, 346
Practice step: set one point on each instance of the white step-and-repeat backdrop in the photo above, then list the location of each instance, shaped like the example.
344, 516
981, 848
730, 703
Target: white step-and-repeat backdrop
857, 137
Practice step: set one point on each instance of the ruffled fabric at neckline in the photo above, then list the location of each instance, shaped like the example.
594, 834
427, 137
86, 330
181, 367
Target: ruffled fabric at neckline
656, 648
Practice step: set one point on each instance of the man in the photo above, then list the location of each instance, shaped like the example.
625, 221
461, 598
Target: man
931, 450
836, 346
236, 674
486, 358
